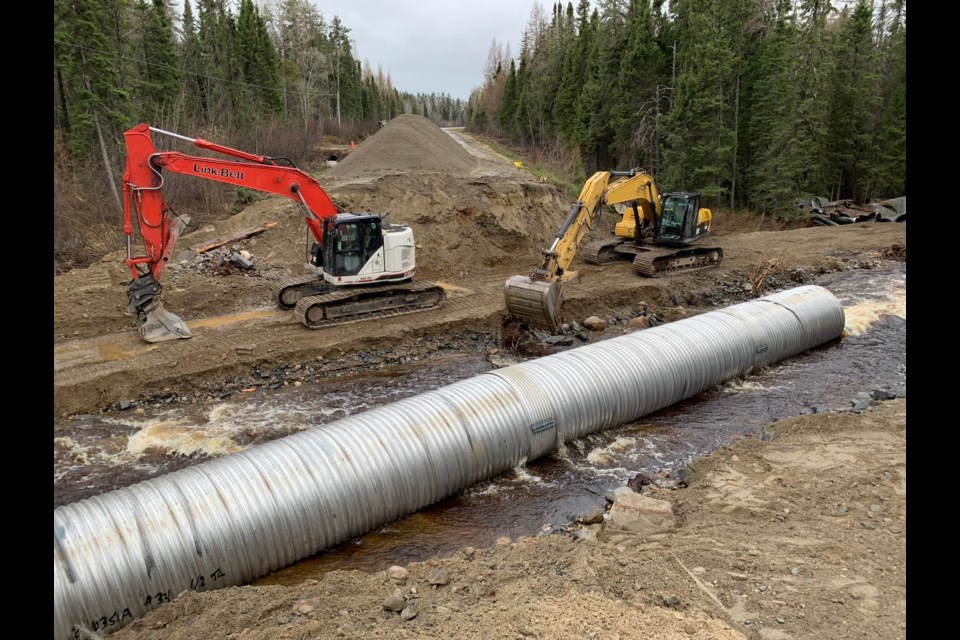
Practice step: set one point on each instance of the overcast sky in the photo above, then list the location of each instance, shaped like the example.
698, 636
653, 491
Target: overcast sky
429, 45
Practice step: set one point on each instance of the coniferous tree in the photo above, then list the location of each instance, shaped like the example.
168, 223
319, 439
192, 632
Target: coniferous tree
777, 156
509, 104
589, 132
887, 171
258, 60
636, 112
610, 45
226, 100
853, 104
188, 53
575, 75
699, 147
812, 48
157, 79
92, 98
520, 123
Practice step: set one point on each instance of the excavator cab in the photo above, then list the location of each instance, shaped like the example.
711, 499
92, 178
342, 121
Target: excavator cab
349, 241
678, 222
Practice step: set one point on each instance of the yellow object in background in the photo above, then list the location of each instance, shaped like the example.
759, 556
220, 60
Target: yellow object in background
518, 165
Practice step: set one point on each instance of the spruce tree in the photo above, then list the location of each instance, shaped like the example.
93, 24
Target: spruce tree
258, 60
637, 109
575, 74
853, 105
778, 158
520, 125
158, 83
509, 104
95, 105
193, 86
699, 152
887, 168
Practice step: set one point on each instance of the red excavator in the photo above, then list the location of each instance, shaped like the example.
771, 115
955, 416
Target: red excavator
363, 266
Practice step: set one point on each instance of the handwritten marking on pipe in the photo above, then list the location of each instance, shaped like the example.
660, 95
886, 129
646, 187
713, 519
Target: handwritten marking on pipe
151, 600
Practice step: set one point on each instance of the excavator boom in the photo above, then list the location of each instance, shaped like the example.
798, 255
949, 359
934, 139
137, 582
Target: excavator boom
669, 222
349, 249
143, 200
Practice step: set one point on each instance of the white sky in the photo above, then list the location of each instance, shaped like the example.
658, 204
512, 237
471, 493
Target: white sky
428, 45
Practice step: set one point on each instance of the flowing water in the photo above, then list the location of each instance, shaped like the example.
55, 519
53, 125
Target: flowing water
96, 453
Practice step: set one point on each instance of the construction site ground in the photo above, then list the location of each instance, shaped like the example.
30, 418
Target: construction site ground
799, 534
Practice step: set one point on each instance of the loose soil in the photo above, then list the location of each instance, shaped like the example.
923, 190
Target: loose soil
799, 535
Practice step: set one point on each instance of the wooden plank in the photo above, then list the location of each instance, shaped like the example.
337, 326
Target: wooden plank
239, 235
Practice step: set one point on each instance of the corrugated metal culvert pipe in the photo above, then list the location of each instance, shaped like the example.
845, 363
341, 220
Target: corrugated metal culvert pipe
228, 521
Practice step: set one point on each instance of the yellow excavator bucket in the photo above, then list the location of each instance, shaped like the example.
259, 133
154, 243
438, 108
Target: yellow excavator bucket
533, 300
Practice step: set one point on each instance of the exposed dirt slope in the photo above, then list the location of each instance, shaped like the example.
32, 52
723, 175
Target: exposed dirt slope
800, 536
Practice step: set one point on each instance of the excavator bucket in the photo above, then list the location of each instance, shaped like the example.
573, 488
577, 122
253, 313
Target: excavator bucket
533, 300
159, 325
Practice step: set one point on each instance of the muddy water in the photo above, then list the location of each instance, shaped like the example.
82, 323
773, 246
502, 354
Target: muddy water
93, 454
96, 454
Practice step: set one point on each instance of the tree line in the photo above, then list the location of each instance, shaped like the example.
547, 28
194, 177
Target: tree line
754, 103
201, 64
271, 76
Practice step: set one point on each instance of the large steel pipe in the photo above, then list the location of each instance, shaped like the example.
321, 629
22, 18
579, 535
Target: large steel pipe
231, 520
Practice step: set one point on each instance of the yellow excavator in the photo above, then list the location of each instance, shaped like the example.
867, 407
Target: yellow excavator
654, 231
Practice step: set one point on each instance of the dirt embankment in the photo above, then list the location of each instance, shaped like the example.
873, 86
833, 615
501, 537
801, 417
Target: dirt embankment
799, 535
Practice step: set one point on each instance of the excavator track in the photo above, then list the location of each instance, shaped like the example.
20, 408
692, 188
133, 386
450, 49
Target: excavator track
602, 251
345, 306
655, 262
289, 291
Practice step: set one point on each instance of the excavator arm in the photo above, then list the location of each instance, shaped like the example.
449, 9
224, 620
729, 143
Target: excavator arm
637, 190
537, 297
556, 260
159, 229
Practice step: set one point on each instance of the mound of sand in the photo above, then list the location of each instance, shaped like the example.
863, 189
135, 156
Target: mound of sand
408, 143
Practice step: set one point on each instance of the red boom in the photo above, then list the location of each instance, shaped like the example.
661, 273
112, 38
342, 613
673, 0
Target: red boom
142, 182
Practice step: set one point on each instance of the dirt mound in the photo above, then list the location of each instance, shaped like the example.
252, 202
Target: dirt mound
465, 226
408, 143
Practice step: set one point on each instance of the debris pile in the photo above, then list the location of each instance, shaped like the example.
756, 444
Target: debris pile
822, 212
218, 262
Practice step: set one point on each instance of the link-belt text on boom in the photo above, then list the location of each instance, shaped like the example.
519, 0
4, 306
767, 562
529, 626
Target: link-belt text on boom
213, 171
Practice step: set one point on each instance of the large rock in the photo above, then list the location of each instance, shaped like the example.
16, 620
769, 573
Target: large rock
395, 601
397, 574
595, 323
640, 514
638, 323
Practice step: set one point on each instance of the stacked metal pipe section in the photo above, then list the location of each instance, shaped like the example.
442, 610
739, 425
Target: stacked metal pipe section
231, 520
